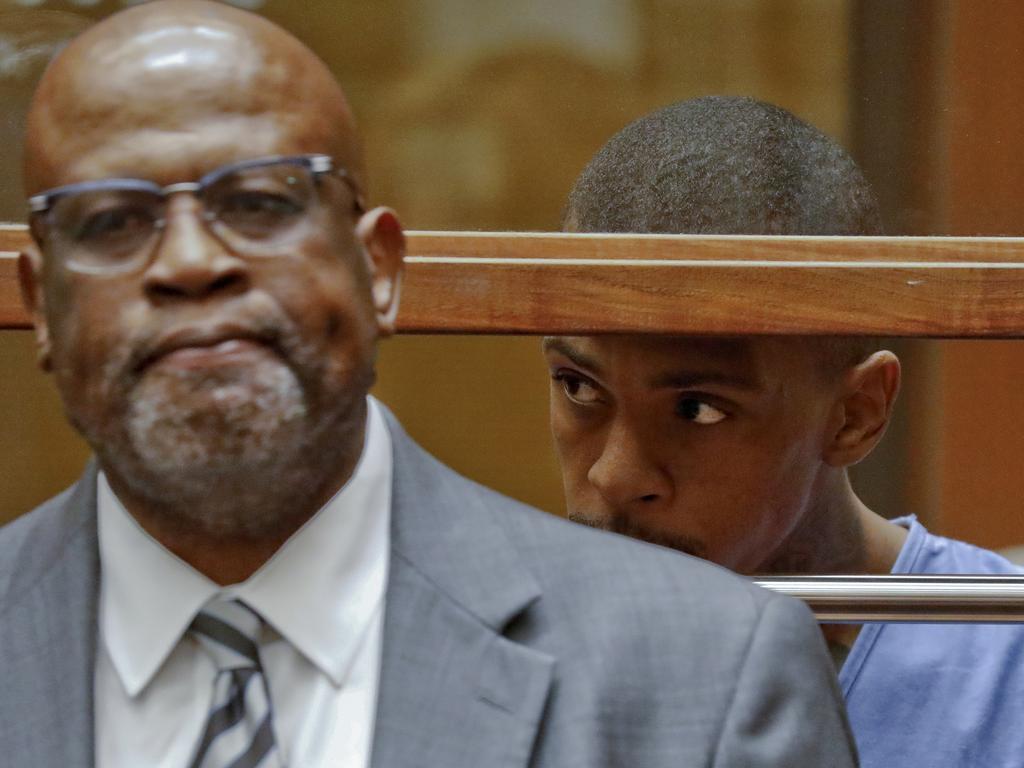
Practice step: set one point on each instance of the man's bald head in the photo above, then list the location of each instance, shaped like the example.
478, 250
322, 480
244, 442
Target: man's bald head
722, 165
168, 67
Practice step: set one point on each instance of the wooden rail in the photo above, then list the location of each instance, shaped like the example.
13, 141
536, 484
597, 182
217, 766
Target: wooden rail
470, 282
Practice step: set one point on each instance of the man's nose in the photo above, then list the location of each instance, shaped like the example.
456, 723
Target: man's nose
190, 262
628, 472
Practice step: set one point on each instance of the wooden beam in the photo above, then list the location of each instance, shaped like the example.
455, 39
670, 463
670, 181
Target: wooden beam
468, 282
12, 314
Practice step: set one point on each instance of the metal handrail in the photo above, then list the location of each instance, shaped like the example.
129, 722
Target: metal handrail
906, 599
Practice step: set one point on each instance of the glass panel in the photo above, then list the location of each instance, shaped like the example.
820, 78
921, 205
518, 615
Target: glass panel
479, 115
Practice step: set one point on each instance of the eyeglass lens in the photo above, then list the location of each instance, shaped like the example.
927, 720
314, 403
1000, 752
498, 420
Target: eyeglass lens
253, 210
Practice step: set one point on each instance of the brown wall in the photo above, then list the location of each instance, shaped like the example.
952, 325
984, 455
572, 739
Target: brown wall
937, 125
983, 384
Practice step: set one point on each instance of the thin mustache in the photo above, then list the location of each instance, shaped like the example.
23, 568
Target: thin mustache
621, 524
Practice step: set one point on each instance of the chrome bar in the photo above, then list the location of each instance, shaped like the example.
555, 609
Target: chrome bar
908, 599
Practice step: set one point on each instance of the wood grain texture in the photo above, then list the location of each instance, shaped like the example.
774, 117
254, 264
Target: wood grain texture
463, 282
12, 315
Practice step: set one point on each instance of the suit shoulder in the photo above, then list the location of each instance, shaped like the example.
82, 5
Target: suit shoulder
572, 560
664, 617
46, 515
33, 541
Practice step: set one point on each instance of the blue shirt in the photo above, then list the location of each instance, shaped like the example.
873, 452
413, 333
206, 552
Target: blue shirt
938, 695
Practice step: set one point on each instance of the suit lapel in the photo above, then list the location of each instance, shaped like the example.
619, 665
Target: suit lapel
48, 637
454, 691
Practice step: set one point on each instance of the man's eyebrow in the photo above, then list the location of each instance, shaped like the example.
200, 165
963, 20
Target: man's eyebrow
563, 347
687, 379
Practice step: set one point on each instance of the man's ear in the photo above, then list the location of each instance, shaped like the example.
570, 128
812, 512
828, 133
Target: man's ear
30, 280
867, 395
384, 243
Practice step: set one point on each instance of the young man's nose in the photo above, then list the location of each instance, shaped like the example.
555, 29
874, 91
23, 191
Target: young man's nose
628, 471
189, 261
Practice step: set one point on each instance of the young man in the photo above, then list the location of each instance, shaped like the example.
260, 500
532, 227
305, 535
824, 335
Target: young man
261, 568
736, 449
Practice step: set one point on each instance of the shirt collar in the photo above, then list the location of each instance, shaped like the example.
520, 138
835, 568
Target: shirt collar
341, 551
916, 535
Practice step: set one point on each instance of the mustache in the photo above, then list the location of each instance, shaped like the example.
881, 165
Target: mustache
265, 325
624, 525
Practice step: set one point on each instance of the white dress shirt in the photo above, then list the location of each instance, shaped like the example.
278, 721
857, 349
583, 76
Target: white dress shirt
322, 595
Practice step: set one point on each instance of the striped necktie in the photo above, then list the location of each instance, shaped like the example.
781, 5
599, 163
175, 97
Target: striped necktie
238, 732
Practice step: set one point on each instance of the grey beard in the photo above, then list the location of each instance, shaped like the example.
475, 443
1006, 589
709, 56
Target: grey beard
229, 455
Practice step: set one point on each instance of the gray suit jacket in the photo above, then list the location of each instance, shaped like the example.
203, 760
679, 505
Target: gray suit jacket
511, 638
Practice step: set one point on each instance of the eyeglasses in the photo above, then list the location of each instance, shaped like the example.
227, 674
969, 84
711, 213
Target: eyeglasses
255, 207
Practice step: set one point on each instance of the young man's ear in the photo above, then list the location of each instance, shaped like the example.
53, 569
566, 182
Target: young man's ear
384, 243
30, 280
868, 393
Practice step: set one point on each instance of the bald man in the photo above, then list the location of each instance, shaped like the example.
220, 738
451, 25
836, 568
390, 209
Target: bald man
260, 568
737, 449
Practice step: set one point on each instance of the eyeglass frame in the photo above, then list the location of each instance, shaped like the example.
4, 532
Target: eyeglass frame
318, 165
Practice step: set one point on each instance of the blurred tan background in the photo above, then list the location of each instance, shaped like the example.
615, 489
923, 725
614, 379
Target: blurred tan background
479, 115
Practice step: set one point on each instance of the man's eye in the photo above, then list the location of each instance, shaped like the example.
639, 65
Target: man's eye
699, 412
113, 222
577, 388
256, 213
259, 202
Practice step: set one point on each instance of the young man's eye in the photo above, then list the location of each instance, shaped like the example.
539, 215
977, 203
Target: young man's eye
698, 411
577, 388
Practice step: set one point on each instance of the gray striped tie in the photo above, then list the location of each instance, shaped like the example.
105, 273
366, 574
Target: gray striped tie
238, 732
